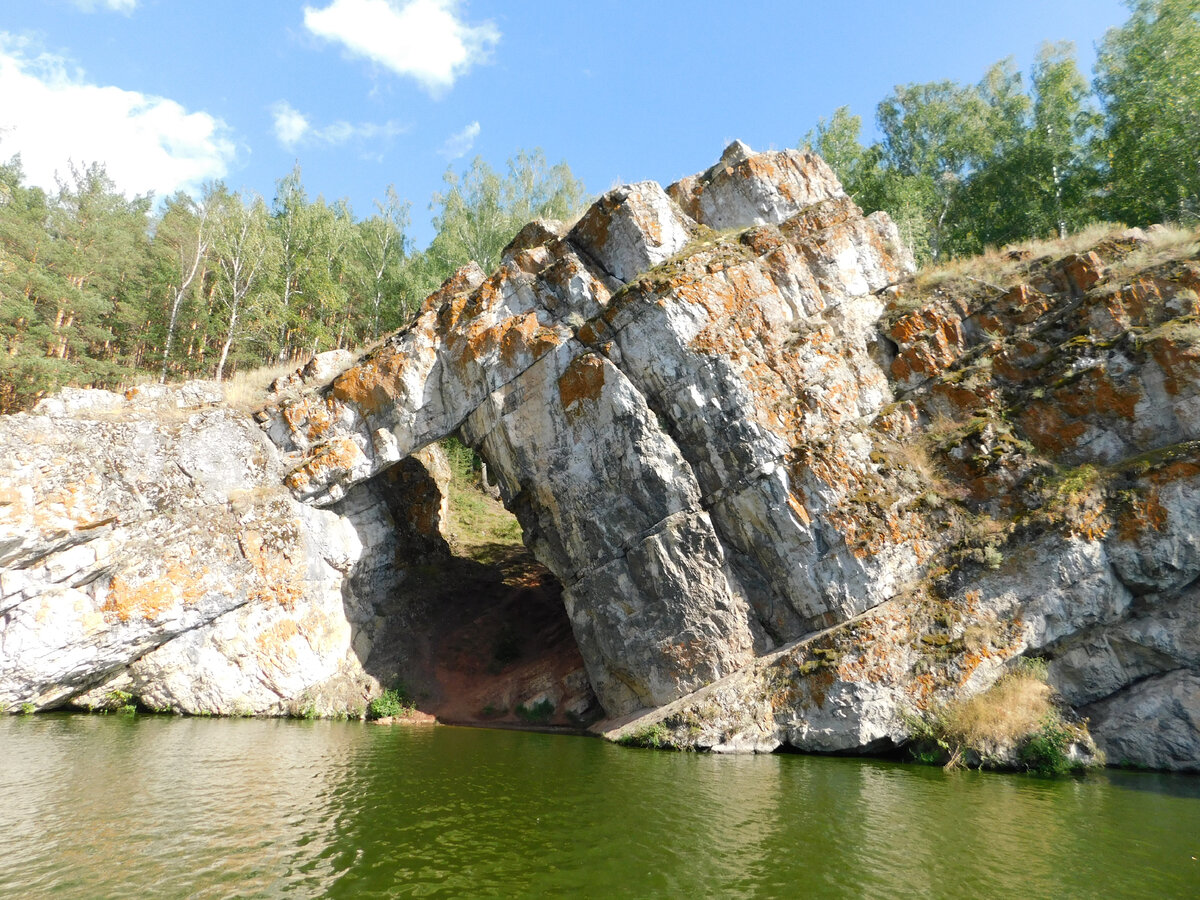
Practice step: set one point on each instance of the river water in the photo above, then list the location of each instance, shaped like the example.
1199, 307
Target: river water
147, 806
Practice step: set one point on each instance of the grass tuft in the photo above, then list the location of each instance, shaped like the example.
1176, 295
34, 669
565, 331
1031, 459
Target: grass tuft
1013, 724
653, 737
248, 390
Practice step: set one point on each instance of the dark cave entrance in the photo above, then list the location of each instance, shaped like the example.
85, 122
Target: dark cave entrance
465, 620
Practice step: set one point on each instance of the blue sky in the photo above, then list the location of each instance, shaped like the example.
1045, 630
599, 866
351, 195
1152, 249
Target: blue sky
364, 93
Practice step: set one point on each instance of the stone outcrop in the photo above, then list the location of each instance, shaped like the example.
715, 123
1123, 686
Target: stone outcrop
794, 496
149, 547
671, 411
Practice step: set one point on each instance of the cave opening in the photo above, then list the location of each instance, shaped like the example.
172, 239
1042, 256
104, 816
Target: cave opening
469, 625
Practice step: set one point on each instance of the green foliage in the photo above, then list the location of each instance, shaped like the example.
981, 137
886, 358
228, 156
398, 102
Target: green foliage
28, 709
837, 142
535, 714
464, 462
95, 291
1034, 667
653, 737
121, 701
392, 702
481, 211
380, 272
1045, 752
963, 167
1148, 82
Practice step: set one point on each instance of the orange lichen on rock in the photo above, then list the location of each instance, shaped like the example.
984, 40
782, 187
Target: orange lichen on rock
1140, 514
453, 288
583, 380
280, 576
930, 342
1091, 524
1095, 394
275, 642
797, 507
1176, 470
149, 599
373, 384
1019, 361
525, 336
1131, 306
1079, 272
1180, 363
338, 455
311, 416
964, 400
1025, 304
1048, 429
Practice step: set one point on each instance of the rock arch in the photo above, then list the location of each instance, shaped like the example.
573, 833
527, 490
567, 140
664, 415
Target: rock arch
669, 403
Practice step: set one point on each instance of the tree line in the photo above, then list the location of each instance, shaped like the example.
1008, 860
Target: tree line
963, 167
99, 289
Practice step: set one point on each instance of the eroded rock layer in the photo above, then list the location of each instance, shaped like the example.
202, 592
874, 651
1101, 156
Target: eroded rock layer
149, 548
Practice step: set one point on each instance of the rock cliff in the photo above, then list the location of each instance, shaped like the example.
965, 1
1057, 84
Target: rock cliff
793, 495
149, 547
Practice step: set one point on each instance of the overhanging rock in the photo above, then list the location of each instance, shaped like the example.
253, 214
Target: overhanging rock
673, 406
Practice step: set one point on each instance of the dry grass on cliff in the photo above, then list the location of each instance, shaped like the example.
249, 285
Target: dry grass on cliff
1008, 712
248, 390
1002, 267
1163, 245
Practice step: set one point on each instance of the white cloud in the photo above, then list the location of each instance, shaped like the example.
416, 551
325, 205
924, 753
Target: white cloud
422, 39
290, 124
293, 128
52, 116
460, 144
121, 6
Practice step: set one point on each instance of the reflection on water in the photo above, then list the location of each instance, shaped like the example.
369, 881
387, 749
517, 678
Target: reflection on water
115, 807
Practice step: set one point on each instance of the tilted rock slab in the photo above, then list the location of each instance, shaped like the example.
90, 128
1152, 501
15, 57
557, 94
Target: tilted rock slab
149, 547
711, 408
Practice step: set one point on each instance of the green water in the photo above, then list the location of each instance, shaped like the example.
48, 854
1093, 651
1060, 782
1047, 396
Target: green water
106, 806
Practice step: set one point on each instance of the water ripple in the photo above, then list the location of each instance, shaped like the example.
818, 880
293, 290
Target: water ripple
157, 807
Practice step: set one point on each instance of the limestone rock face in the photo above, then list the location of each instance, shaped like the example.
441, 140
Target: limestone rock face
1049, 432
675, 415
148, 545
794, 495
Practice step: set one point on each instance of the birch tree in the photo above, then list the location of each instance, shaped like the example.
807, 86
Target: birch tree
244, 249
183, 233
